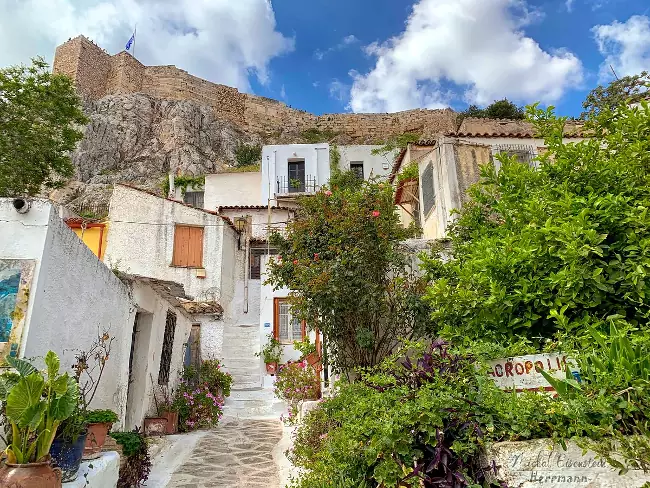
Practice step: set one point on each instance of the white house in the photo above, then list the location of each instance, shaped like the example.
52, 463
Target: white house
56, 295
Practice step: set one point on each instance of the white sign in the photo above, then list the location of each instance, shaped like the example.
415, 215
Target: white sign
522, 372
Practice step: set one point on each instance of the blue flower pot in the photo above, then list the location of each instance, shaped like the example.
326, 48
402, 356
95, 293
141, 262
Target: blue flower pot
67, 456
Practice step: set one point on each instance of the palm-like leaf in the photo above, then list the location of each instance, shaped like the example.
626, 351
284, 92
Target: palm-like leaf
23, 367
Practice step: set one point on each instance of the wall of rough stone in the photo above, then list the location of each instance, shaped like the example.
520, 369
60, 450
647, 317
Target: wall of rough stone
98, 74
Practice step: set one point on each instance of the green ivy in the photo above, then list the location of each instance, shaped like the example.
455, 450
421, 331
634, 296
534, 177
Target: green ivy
182, 182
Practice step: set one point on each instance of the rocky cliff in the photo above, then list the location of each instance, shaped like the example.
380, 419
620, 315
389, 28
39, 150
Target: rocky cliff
139, 139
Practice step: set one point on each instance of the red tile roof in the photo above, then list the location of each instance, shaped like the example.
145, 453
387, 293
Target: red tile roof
154, 194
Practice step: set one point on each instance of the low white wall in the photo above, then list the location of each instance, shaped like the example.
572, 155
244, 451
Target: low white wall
232, 189
539, 462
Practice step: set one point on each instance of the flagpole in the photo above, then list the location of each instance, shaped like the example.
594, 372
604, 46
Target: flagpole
135, 31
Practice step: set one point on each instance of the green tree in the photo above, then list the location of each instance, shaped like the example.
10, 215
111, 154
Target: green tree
247, 155
499, 109
40, 119
628, 89
350, 277
542, 253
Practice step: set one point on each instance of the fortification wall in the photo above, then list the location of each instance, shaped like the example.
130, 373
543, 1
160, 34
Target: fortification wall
97, 74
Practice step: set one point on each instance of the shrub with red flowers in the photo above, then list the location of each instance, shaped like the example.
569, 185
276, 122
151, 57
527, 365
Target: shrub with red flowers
349, 273
296, 381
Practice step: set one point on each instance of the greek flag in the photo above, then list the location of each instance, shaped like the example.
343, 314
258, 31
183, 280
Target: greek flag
130, 41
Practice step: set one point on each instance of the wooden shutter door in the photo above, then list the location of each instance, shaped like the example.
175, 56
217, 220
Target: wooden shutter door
195, 251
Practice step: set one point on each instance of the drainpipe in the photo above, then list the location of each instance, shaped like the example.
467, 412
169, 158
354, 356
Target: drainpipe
247, 263
172, 187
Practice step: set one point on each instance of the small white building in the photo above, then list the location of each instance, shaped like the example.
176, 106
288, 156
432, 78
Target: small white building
56, 295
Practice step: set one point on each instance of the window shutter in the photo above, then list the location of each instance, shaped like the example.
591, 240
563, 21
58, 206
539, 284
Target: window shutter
428, 192
188, 247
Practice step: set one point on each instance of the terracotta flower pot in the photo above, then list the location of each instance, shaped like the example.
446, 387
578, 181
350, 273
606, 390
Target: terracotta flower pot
155, 426
95, 440
271, 368
172, 422
33, 475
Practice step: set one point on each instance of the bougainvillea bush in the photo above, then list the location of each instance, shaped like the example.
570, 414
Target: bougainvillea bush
198, 407
296, 381
342, 257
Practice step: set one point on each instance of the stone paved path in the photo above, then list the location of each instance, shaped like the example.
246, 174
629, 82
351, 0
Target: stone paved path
237, 454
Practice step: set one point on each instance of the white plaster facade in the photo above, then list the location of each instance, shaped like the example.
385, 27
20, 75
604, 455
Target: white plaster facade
259, 218
74, 297
275, 167
374, 165
232, 189
141, 242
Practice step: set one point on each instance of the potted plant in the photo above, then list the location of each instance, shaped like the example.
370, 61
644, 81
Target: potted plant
166, 409
272, 353
307, 351
155, 425
68, 445
99, 423
35, 405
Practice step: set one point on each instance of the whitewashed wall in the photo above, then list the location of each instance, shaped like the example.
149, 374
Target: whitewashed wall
275, 164
148, 349
141, 240
232, 189
375, 165
74, 296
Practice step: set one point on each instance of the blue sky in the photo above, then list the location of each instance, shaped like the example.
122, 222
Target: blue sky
359, 55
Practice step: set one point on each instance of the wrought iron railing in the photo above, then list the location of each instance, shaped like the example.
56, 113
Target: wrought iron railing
284, 185
94, 211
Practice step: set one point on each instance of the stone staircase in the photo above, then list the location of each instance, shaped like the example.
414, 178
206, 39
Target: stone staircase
240, 343
254, 404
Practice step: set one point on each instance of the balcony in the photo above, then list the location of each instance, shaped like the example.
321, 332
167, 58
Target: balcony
293, 187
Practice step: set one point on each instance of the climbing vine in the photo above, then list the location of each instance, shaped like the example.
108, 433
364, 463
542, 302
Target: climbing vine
182, 182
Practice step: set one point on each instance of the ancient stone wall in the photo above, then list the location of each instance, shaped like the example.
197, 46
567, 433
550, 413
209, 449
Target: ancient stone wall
98, 74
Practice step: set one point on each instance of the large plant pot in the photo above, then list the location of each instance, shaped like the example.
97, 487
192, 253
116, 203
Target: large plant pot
155, 426
33, 475
271, 368
95, 440
67, 456
172, 422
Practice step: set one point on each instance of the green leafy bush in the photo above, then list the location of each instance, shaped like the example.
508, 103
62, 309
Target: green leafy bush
539, 254
135, 471
296, 381
247, 155
410, 172
304, 347
101, 417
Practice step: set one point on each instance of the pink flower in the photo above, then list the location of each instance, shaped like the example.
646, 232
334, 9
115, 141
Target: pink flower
328, 193
295, 262
375, 213
316, 256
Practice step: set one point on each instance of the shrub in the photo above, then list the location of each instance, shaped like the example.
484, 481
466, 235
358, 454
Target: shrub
198, 407
135, 471
247, 155
296, 381
304, 347
101, 417
211, 373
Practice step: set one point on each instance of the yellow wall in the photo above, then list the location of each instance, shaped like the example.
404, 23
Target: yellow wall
91, 239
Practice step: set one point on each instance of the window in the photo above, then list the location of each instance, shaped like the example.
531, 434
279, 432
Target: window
188, 247
523, 153
255, 272
167, 348
428, 191
296, 176
194, 198
357, 168
286, 328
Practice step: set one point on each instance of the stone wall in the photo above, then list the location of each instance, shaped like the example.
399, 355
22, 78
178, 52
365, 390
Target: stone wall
97, 74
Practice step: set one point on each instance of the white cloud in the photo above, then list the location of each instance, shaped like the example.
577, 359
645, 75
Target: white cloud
345, 42
338, 90
220, 40
626, 46
477, 45
283, 93
569, 5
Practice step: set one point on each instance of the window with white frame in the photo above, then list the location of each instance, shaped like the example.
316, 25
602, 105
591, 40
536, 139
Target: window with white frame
287, 328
